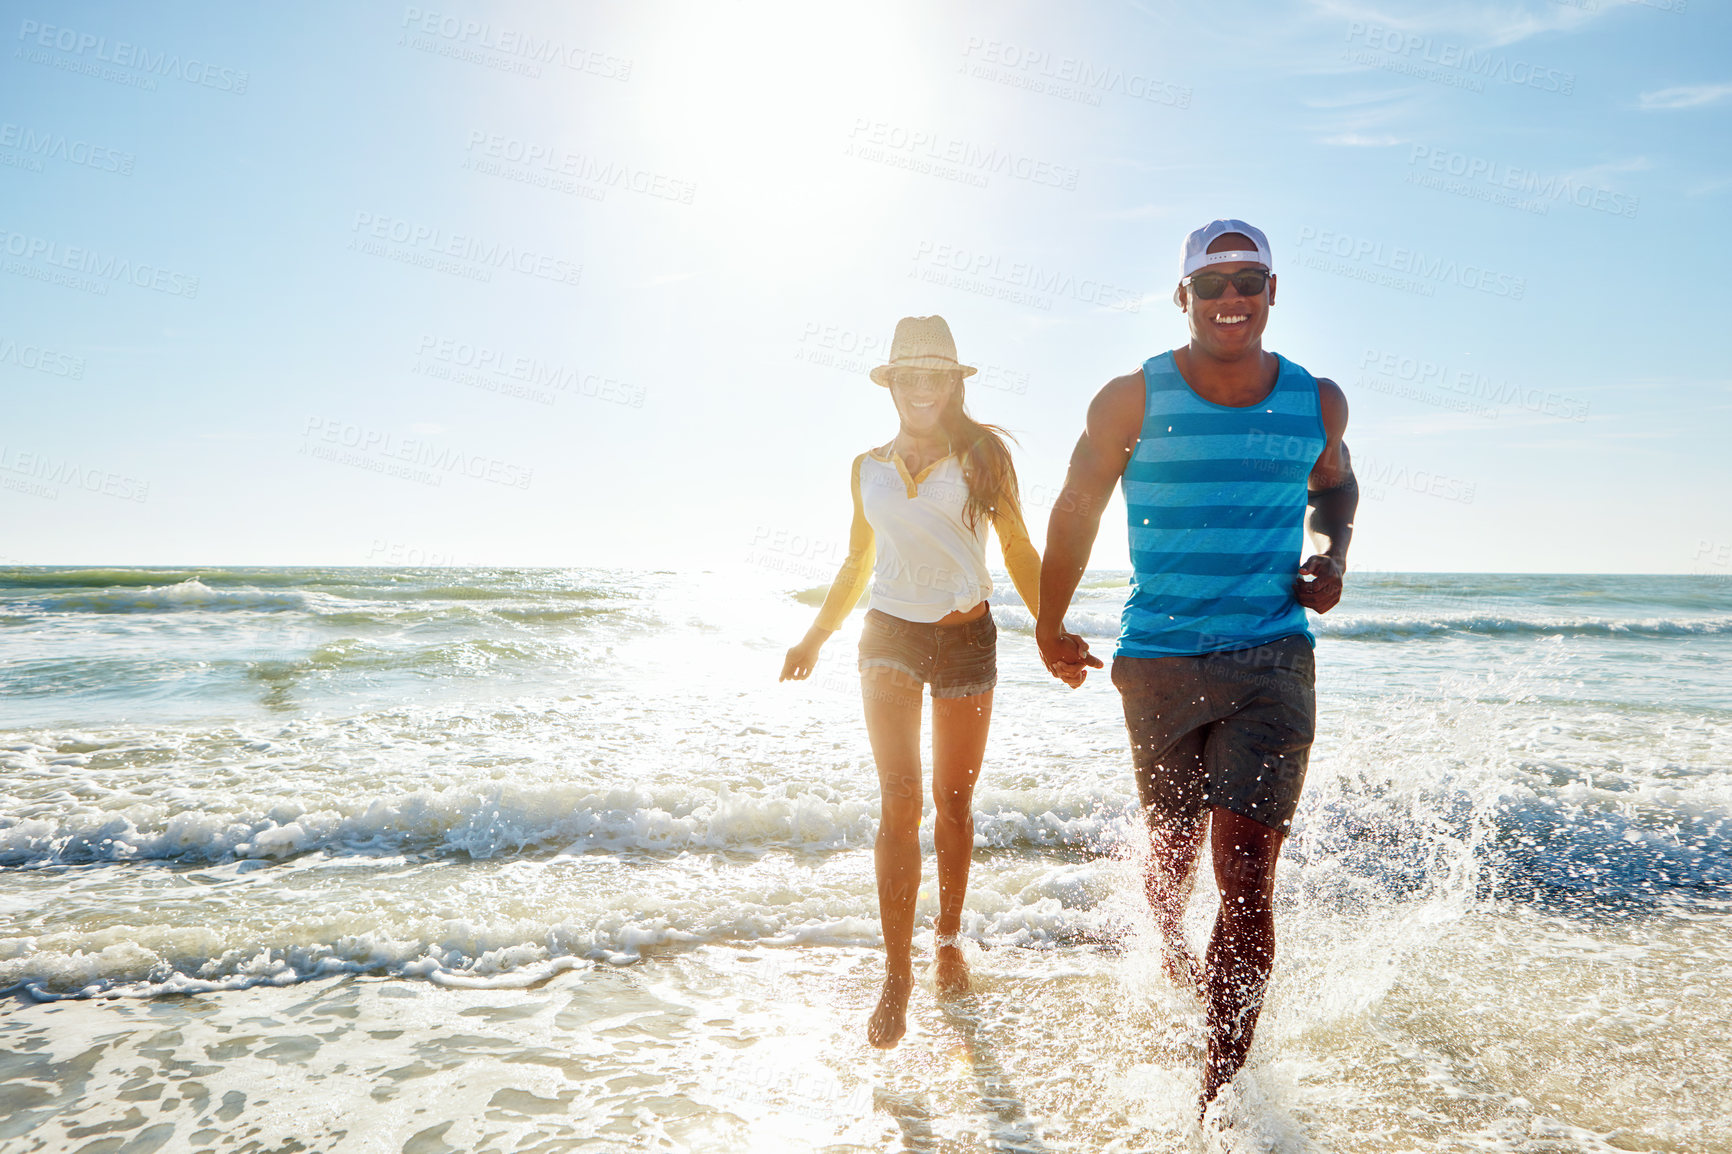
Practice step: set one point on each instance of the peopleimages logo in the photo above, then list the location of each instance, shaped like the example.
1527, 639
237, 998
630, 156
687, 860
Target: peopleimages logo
40, 359
122, 54
59, 146
399, 553
463, 38
409, 457
517, 374
1377, 478
1471, 385
1409, 262
1067, 77
63, 471
78, 261
1017, 281
1496, 175
922, 149
433, 247
1411, 53
554, 162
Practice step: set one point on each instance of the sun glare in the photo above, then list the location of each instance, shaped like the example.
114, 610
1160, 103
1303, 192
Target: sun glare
767, 99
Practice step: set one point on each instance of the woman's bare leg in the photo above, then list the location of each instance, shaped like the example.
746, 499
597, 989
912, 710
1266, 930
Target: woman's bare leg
959, 726
892, 701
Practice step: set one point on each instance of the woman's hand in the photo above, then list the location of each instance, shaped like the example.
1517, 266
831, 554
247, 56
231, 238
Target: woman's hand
1066, 656
797, 666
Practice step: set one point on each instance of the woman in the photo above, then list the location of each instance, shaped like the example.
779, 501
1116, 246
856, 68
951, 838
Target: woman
922, 504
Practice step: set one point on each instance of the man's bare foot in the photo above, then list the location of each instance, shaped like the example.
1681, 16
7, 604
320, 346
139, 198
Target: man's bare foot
890, 1020
1183, 970
952, 977
1213, 1083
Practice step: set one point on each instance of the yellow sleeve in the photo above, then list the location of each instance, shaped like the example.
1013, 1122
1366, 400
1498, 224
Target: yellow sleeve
1019, 555
856, 568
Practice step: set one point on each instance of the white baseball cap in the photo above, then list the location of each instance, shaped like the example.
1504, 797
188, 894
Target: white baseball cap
1197, 255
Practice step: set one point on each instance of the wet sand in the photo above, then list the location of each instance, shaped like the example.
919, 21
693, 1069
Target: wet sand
1470, 1045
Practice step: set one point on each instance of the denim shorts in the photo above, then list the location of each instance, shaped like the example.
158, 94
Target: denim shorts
956, 660
1230, 729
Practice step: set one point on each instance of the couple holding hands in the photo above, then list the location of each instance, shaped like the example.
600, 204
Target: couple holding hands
1220, 448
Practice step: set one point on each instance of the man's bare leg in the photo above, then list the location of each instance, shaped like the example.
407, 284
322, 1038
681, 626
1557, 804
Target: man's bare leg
892, 703
959, 726
1242, 948
1175, 844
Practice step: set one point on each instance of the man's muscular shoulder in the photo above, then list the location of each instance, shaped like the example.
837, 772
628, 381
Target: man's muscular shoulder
1333, 402
1116, 413
1115, 424
1131, 384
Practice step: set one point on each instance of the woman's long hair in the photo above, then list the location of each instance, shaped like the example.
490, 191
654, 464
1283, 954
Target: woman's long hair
985, 463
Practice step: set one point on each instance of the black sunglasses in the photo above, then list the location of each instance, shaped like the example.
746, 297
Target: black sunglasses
1209, 285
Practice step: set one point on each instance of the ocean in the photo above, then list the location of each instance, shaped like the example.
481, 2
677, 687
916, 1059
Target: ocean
420, 860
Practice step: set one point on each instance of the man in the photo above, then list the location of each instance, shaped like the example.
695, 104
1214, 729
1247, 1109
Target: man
1221, 446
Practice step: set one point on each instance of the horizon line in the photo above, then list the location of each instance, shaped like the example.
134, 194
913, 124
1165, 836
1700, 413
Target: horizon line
675, 567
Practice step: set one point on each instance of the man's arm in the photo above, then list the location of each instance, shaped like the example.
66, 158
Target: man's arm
1115, 421
1334, 499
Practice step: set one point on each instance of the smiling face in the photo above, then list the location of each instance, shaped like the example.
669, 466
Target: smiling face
922, 397
1230, 326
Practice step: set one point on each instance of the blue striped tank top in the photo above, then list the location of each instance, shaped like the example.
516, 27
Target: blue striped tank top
1216, 498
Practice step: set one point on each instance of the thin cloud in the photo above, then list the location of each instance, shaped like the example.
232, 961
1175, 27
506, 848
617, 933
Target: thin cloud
1142, 164
1407, 423
1359, 120
1493, 25
1355, 140
1139, 212
1685, 96
1354, 100
1597, 174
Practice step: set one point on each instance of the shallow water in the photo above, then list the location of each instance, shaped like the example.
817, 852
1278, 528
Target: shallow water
471, 859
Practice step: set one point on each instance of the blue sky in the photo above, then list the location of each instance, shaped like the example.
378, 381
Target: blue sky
600, 283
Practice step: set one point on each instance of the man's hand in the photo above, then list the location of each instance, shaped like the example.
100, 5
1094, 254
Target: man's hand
1318, 586
1066, 657
1115, 421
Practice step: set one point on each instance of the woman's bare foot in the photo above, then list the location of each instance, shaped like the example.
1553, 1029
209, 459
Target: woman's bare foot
890, 1020
952, 976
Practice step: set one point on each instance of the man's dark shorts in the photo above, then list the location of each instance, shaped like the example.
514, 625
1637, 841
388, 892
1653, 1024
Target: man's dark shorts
1230, 729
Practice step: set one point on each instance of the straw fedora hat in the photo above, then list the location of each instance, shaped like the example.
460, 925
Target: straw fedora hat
921, 343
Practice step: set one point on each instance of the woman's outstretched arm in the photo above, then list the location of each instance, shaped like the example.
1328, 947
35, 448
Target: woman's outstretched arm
844, 593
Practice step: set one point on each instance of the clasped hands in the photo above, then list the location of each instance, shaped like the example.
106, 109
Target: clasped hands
1065, 655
